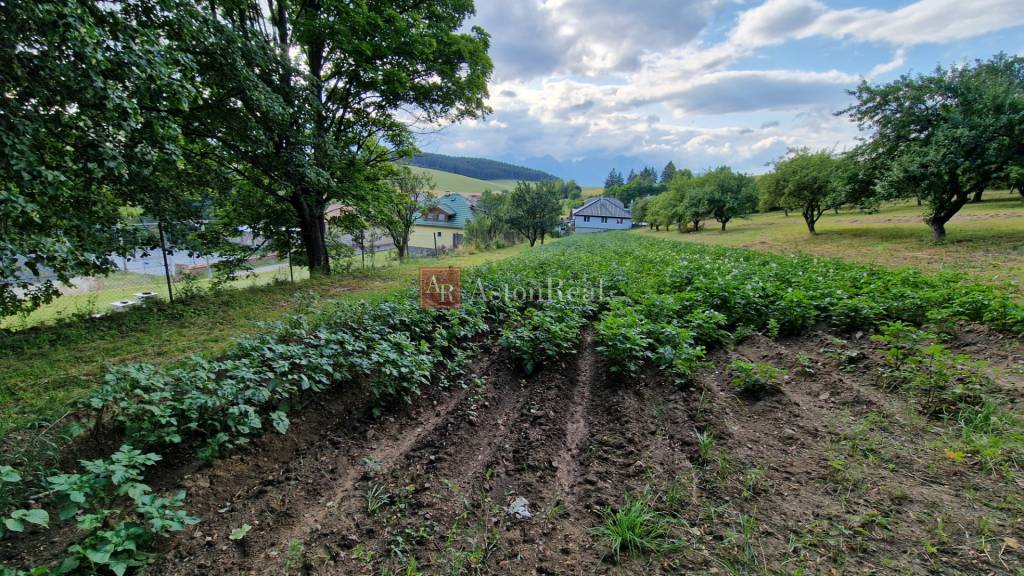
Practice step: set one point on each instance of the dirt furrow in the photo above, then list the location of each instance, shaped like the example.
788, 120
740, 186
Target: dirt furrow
289, 492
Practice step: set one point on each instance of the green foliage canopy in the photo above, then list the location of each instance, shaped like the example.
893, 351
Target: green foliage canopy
944, 137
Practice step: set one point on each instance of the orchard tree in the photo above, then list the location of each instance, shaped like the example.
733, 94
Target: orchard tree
311, 99
533, 209
640, 209
727, 194
569, 190
944, 137
810, 182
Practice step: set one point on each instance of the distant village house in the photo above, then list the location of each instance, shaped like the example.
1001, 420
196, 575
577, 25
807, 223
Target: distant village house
600, 214
442, 227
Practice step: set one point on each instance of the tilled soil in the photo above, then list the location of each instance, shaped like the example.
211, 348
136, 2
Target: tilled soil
831, 475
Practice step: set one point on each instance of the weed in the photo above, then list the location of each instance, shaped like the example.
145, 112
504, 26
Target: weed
752, 478
635, 529
295, 557
705, 445
376, 497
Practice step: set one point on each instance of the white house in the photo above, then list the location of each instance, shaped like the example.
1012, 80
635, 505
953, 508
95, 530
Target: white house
601, 213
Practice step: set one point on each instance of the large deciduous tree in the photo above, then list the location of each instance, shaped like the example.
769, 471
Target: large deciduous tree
944, 137
307, 97
92, 96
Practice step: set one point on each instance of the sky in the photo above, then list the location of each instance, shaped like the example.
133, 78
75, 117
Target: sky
583, 86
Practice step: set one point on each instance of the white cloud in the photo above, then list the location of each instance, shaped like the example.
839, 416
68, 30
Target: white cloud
578, 79
586, 37
923, 22
897, 62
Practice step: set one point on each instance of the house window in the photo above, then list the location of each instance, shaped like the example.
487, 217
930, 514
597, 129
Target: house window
586, 218
604, 219
620, 220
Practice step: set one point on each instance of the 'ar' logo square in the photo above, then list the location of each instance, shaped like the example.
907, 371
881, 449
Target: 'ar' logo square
440, 287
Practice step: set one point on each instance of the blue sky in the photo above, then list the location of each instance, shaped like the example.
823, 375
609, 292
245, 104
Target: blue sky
581, 86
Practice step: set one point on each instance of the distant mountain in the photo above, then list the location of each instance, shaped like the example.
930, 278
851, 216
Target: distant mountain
479, 168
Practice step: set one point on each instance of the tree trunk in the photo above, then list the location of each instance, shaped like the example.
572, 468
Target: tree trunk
810, 220
811, 214
937, 220
724, 222
696, 225
313, 231
977, 196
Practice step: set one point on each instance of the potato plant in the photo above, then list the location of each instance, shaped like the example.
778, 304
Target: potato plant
654, 304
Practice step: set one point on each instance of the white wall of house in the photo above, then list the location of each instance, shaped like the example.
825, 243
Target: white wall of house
598, 224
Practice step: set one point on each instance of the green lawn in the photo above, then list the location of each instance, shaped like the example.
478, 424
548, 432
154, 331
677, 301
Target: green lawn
448, 182
44, 369
985, 241
123, 286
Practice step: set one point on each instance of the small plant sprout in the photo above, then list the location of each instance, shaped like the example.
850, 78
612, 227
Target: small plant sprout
295, 559
705, 444
376, 497
240, 533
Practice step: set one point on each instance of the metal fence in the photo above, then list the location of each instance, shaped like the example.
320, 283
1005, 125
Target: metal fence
163, 273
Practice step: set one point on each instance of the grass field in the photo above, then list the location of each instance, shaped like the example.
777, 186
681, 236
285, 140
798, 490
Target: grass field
985, 241
123, 286
44, 369
448, 182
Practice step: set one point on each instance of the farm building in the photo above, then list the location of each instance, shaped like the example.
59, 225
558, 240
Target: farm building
601, 213
442, 226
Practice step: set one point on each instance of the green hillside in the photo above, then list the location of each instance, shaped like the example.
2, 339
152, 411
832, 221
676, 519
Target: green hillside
448, 182
482, 168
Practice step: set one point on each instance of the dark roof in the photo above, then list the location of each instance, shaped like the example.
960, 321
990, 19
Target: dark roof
602, 207
456, 206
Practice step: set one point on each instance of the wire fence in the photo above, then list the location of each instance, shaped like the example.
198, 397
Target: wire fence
167, 272
161, 273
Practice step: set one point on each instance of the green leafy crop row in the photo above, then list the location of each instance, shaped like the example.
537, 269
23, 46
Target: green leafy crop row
665, 303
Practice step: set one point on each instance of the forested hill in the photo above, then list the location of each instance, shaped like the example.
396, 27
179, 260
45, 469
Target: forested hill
480, 168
